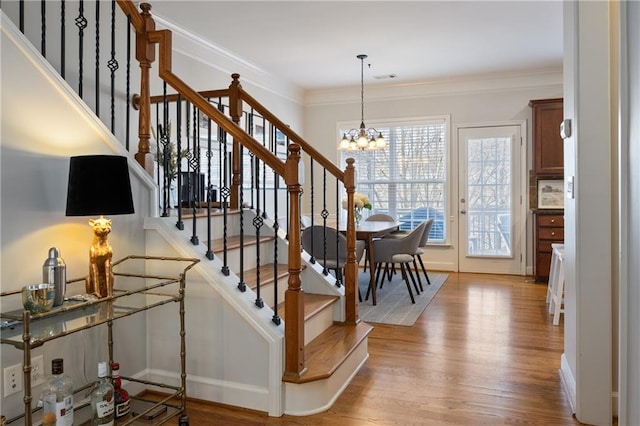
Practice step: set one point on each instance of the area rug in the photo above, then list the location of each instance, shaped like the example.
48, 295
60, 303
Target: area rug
394, 304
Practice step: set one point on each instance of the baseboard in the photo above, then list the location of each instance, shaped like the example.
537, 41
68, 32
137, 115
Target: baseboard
218, 391
310, 398
568, 381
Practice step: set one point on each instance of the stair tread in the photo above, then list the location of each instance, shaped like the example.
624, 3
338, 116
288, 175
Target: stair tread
233, 242
330, 349
200, 212
313, 304
267, 274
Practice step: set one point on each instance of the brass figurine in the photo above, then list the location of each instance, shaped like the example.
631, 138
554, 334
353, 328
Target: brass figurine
100, 279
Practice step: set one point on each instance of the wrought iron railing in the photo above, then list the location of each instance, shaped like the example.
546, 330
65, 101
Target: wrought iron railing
229, 161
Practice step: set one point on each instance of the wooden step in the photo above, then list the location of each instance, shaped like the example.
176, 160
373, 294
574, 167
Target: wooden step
217, 245
330, 349
313, 304
267, 275
187, 213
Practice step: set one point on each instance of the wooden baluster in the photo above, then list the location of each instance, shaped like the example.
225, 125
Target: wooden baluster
145, 54
351, 268
294, 296
235, 110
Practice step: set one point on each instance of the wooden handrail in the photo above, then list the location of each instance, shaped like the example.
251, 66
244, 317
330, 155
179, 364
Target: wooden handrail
130, 10
147, 37
293, 136
163, 39
219, 93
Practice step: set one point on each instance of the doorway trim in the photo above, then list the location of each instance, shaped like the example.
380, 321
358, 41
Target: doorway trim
524, 229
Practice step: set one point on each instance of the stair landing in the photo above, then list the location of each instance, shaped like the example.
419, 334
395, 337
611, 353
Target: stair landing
327, 352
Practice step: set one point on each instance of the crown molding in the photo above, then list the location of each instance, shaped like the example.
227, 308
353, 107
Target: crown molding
226, 62
445, 87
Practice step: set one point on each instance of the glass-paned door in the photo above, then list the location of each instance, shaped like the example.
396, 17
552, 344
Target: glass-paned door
490, 199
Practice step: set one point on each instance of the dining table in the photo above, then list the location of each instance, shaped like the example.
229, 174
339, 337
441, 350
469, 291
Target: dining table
367, 231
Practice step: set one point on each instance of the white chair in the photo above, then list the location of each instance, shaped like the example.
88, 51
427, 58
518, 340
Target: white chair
555, 288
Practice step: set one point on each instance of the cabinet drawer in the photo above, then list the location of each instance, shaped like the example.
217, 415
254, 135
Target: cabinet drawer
554, 234
544, 246
551, 220
543, 263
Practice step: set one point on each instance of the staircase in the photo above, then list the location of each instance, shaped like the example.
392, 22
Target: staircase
268, 329
334, 350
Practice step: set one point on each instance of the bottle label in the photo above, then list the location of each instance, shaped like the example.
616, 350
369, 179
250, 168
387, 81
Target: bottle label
104, 408
122, 409
64, 412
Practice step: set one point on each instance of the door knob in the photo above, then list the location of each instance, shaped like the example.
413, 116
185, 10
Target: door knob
463, 211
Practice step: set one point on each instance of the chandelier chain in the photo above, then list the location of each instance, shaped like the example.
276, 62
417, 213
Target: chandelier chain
362, 58
362, 138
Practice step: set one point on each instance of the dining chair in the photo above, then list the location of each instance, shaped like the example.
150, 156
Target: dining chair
328, 247
421, 250
392, 251
417, 256
380, 217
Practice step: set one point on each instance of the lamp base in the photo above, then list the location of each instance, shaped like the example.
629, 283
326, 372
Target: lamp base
100, 279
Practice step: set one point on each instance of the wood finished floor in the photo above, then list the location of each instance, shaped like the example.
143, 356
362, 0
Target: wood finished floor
484, 352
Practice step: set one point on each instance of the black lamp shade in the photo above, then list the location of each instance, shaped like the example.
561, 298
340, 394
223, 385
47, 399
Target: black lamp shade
99, 185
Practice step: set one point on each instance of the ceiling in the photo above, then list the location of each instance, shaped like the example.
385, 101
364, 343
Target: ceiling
314, 44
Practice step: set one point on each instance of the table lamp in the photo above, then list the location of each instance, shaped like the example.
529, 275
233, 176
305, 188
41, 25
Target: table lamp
99, 185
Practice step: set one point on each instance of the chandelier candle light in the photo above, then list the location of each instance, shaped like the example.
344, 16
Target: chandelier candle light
363, 138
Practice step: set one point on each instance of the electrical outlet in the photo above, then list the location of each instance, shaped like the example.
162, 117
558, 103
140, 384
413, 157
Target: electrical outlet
12, 379
37, 370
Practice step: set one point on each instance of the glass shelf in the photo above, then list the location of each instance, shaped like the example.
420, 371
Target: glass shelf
26, 331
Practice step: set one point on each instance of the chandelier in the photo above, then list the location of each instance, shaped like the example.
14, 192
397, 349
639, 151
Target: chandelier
362, 138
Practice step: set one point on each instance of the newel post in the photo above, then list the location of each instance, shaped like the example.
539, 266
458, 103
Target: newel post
351, 268
235, 110
146, 55
294, 365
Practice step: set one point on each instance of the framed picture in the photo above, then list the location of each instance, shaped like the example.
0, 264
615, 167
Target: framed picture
550, 193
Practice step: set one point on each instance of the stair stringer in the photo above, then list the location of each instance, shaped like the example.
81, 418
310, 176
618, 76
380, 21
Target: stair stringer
223, 325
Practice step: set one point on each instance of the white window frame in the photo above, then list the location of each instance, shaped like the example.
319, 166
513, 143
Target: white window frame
387, 123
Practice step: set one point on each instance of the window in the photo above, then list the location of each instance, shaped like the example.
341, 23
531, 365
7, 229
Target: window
408, 179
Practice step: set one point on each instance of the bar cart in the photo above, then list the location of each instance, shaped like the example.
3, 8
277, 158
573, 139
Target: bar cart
26, 331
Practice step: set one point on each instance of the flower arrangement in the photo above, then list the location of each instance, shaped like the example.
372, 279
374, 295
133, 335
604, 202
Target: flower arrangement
360, 202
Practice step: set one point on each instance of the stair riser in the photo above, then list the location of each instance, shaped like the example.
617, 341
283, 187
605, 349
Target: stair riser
249, 254
217, 226
318, 323
266, 291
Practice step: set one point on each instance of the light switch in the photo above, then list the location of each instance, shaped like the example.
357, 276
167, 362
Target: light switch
570, 193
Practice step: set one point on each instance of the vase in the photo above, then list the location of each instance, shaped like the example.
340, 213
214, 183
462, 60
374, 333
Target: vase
357, 214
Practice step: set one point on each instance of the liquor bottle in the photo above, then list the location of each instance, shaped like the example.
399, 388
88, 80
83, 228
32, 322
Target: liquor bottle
57, 396
121, 396
102, 399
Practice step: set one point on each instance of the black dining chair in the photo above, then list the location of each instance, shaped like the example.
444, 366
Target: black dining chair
329, 247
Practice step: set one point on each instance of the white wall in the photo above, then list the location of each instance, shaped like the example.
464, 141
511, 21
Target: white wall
629, 161
590, 68
486, 100
42, 125
206, 67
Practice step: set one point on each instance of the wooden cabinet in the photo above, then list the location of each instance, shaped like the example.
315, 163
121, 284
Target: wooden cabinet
548, 162
549, 229
547, 142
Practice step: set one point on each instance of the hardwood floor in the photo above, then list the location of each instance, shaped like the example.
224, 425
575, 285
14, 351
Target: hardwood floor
484, 352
